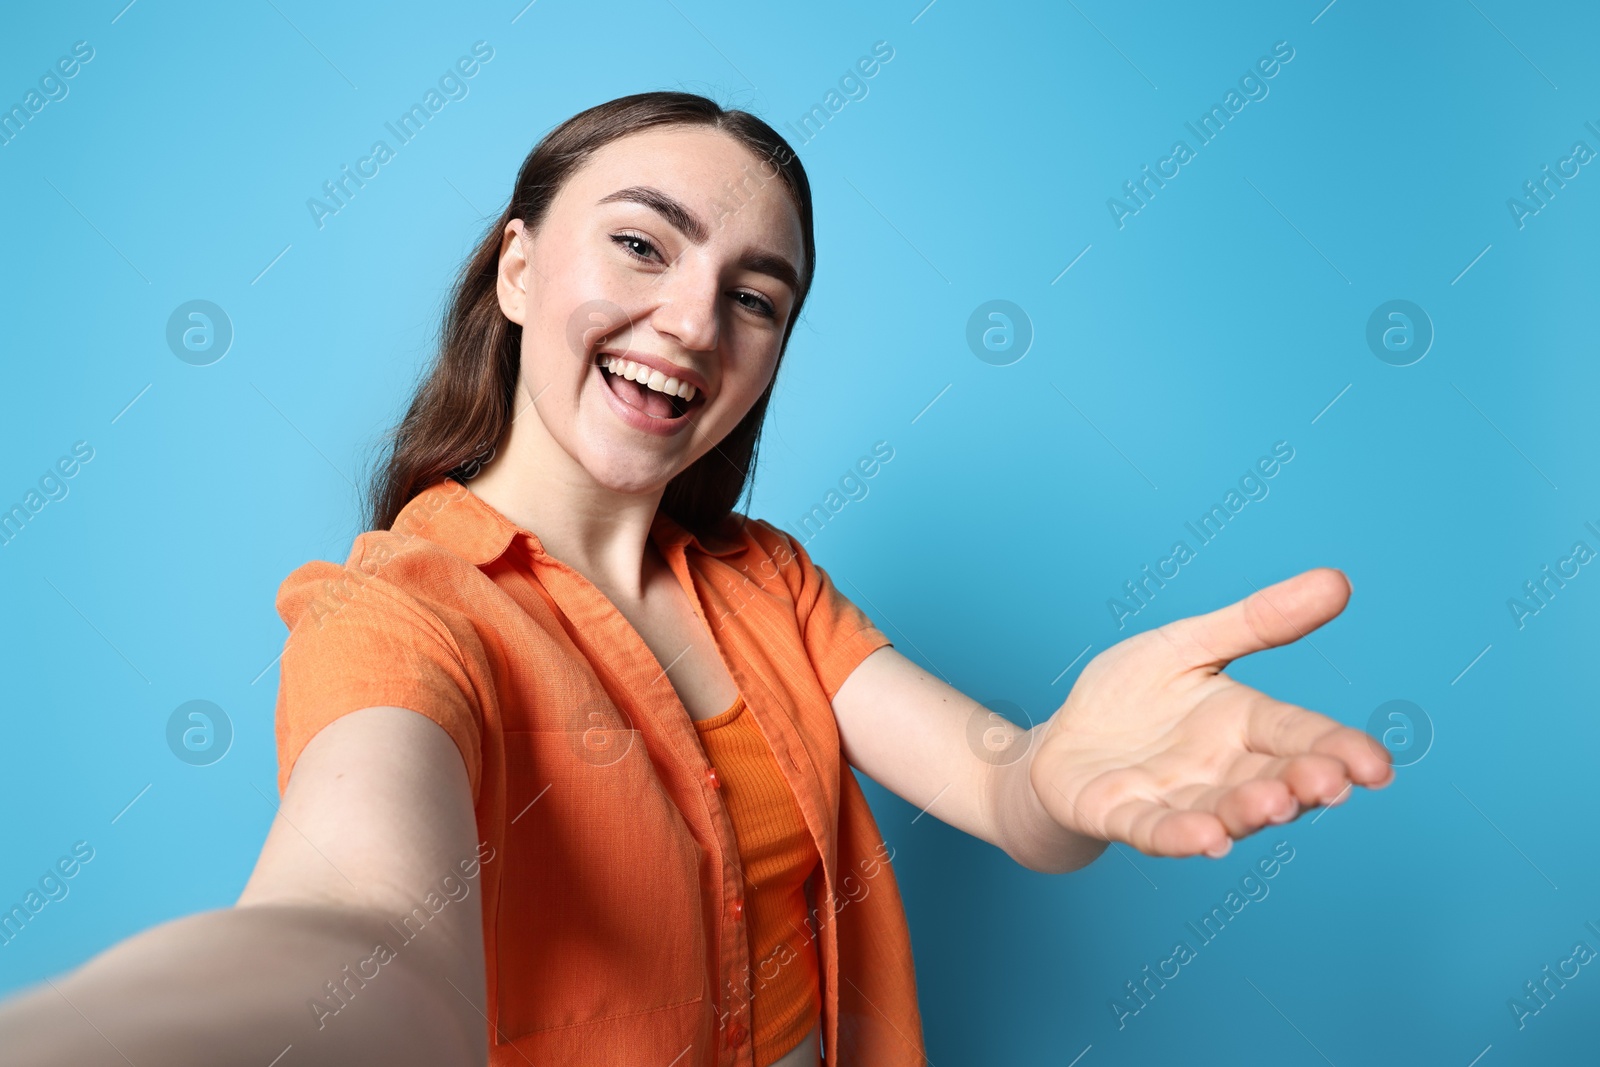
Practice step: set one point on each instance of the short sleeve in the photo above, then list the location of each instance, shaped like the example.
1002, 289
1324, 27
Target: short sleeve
358, 641
837, 634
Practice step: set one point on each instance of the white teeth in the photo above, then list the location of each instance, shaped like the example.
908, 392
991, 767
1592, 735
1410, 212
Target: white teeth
647, 376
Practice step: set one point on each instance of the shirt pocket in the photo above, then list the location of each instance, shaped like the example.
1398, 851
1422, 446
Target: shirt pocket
599, 912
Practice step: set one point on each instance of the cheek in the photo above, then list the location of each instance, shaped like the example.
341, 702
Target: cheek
737, 393
549, 369
744, 386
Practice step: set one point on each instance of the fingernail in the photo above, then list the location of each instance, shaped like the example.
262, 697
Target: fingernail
1288, 813
1217, 854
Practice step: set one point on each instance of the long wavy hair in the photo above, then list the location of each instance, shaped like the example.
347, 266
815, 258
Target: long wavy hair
463, 403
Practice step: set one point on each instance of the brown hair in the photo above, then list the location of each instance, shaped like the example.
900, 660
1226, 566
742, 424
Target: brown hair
464, 403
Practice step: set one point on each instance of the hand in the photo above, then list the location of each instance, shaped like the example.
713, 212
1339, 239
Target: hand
1156, 747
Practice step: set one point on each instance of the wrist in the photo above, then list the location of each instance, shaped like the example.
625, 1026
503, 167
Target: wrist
1029, 833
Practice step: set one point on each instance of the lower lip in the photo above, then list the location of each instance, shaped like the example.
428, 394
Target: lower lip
636, 418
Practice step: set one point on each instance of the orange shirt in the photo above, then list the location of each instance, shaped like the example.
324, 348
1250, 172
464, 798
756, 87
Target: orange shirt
614, 926
777, 856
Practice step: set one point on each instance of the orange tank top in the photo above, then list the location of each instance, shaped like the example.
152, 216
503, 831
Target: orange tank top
778, 855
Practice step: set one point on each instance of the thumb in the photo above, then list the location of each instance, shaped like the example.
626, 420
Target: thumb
1269, 617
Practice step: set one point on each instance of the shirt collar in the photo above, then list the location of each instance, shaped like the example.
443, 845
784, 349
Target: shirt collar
449, 514
726, 540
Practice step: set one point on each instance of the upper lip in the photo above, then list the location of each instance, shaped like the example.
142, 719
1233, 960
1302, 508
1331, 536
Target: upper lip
671, 370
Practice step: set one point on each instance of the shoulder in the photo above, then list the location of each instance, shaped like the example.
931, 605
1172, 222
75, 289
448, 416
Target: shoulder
766, 555
745, 540
769, 540
404, 579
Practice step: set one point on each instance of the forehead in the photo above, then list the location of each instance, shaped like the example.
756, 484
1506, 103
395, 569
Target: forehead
734, 191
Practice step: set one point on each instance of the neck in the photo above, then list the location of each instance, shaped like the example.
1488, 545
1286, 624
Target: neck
601, 533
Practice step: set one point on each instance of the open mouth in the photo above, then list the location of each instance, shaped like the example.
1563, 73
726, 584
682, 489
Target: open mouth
632, 384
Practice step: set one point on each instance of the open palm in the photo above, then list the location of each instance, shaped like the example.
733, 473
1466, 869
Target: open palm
1156, 747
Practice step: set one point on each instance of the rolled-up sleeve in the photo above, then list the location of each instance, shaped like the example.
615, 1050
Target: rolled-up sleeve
357, 640
837, 634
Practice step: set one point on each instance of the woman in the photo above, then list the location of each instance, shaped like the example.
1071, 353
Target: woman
563, 744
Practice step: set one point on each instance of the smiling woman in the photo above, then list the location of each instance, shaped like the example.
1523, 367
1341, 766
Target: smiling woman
559, 645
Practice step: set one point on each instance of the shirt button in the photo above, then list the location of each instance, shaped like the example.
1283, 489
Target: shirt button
736, 908
736, 1035
711, 776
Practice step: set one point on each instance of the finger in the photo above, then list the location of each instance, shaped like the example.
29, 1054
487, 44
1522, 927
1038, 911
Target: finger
1314, 780
1310, 780
1280, 729
1283, 612
1249, 806
1243, 808
1157, 830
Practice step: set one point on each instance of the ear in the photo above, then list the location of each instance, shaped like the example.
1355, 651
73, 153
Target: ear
511, 276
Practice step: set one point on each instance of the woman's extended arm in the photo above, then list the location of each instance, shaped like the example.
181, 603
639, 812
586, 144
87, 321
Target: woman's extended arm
942, 751
1155, 746
376, 829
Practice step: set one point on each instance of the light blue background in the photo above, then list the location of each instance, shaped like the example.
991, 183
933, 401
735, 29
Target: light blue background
1225, 316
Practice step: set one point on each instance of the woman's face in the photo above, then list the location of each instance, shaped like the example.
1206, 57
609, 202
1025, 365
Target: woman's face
677, 249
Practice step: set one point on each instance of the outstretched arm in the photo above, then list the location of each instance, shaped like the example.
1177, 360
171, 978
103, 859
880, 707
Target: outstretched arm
1155, 746
943, 752
377, 810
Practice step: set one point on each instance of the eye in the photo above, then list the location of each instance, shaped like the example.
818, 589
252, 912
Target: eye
628, 241
758, 303
632, 243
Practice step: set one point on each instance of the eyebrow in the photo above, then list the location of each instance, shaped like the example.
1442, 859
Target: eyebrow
694, 228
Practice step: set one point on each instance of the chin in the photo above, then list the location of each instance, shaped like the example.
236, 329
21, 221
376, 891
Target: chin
628, 478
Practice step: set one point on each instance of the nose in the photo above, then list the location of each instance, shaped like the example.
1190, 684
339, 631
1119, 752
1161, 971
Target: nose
688, 306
